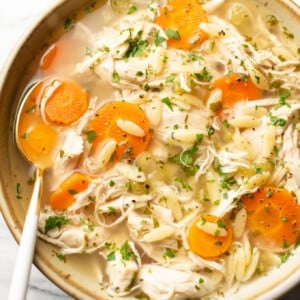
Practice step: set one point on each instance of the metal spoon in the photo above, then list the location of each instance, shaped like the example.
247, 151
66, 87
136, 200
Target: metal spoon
22, 269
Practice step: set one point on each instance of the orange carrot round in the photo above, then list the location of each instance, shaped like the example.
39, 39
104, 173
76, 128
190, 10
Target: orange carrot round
36, 138
273, 217
235, 87
208, 245
104, 125
48, 57
62, 198
181, 20
55, 54
67, 103
40, 138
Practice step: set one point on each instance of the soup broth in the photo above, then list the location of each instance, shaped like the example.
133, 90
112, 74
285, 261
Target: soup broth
171, 131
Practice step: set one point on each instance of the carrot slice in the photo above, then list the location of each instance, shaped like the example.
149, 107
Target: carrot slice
48, 57
235, 87
105, 126
273, 217
36, 138
62, 198
37, 141
181, 20
40, 138
55, 54
67, 103
209, 245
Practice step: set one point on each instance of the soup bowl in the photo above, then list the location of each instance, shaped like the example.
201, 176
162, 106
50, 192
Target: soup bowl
80, 276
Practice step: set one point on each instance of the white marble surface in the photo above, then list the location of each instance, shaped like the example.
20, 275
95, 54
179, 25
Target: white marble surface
15, 16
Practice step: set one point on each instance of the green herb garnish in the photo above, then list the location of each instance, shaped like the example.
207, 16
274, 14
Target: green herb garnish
126, 251
132, 9
115, 77
158, 39
68, 24
169, 253
91, 135
168, 102
204, 76
55, 221
173, 34
136, 46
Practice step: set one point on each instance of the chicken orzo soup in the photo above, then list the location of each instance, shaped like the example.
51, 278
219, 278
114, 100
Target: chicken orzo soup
172, 134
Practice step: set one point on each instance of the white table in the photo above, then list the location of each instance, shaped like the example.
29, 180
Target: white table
15, 16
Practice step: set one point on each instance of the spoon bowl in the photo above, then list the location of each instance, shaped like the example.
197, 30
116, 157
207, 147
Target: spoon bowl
20, 279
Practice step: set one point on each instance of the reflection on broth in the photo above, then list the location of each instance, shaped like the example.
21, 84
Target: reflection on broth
173, 131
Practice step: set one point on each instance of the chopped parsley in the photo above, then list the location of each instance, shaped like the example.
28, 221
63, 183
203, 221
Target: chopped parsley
210, 130
186, 158
18, 190
88, 52
272, 20
221, 223
136, 46
170, 79
87, 10
184, 185
285, 244
24, 135
225, 181
72, 192
132, 9
115, 77
172, 34
282, 99
158, 39
60, 257
257, 79
269, 194
111, 183
204, 76
168, 253
112, 209
126, 154
31, 109
88, 226
111, 256
244, 78
31, 179
55, 221
91, 135
68, 24
287, 33
258, 170
194, 57
126, 252
201, 280
275, 121
284, 257
168, 102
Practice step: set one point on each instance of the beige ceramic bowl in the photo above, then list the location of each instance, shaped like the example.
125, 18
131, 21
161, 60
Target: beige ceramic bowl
79, 277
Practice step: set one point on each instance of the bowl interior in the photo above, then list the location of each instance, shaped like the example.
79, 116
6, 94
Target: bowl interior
80, 276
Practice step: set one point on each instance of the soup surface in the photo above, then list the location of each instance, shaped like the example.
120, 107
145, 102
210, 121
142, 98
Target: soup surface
172, 135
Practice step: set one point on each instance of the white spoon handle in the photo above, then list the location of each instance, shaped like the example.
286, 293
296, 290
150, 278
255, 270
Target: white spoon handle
22, 269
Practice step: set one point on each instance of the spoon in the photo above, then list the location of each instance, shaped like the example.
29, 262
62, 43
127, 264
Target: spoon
22, 269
